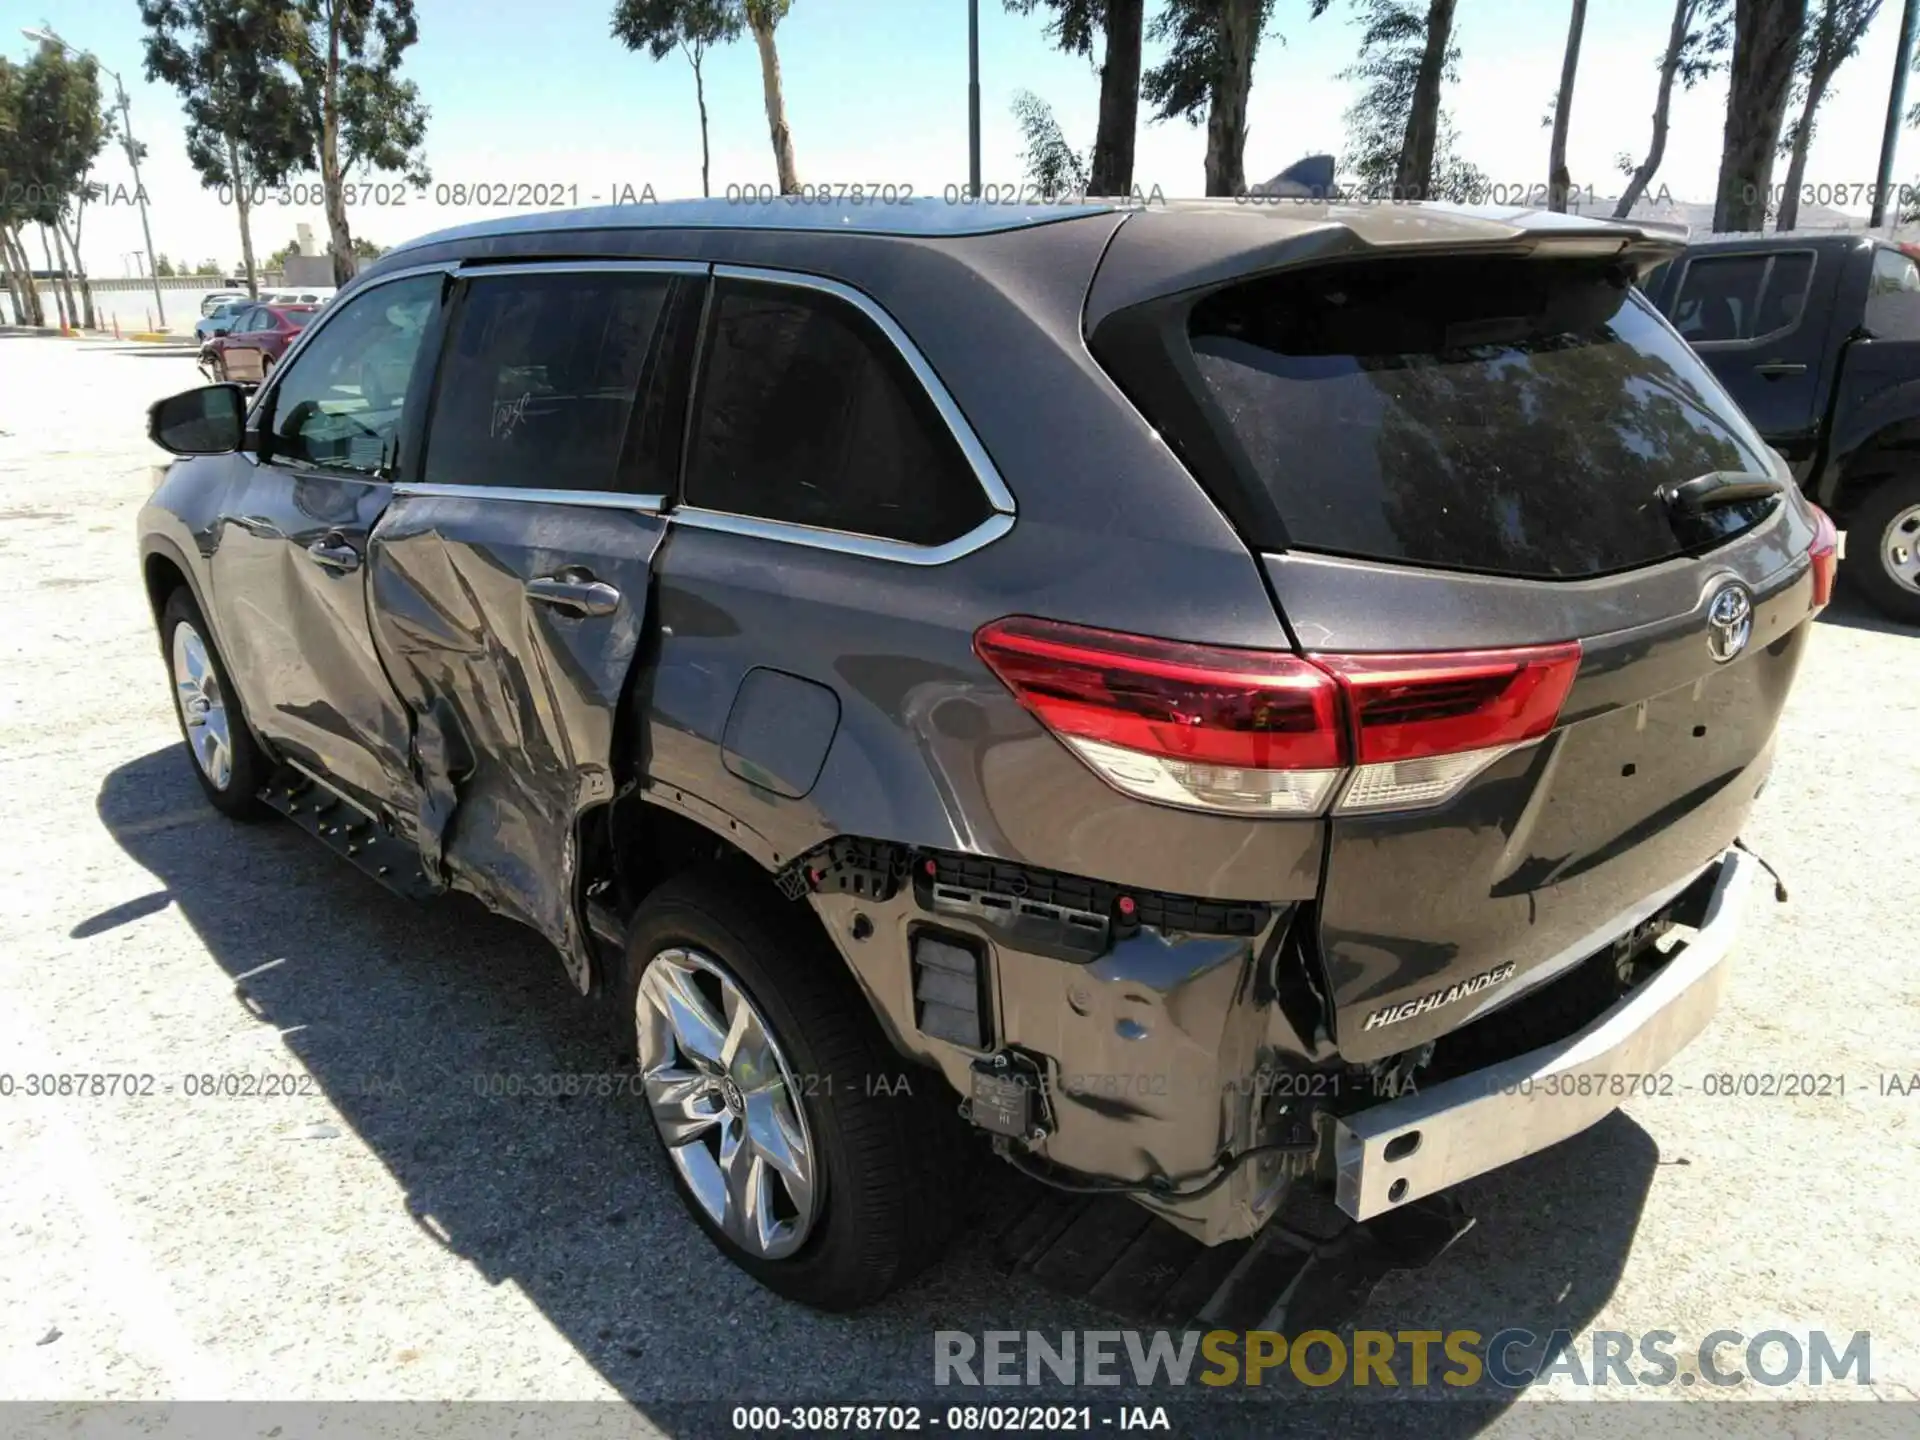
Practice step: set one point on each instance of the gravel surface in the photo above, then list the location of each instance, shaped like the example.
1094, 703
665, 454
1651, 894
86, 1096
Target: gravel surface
387, 1232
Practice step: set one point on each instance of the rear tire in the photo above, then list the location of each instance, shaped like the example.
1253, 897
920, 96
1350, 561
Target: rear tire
227, 761
1884, 538
878, 1199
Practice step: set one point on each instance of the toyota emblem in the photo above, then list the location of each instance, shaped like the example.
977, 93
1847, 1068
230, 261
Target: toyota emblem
1729, 621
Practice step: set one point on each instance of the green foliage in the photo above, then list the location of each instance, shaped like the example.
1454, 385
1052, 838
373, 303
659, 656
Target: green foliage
381, 120
1832, 39
661, 27
1182, 85
208, 267
245, 122
163, 267
365, 249
1071, 24
1050, 163
1393, 36
52, 129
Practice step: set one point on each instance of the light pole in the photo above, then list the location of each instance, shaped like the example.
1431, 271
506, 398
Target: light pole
1891, 138
973, 99
133, 152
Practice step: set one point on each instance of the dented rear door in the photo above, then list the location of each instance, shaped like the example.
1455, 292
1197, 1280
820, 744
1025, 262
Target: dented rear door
511, 581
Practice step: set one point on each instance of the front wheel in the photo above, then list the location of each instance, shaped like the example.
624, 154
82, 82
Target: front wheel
1886, 528
799, 1142
227, 760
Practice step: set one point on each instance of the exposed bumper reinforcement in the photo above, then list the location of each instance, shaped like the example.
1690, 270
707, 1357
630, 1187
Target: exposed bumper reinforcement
1480, 1121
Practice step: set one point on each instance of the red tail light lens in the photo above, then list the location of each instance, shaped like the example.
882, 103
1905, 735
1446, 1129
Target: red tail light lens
1263, 732
1199, 726
1405, 707
1825, 552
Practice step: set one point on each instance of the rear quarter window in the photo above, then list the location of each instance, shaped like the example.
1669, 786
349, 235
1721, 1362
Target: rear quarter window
1509, 416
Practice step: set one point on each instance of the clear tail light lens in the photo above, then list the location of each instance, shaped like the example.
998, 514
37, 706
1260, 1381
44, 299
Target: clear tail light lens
1258, 732
1825, 552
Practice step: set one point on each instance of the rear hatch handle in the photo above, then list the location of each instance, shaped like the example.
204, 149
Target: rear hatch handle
1717, 488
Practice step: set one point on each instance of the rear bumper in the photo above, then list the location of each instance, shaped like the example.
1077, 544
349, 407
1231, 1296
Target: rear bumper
1418, 1144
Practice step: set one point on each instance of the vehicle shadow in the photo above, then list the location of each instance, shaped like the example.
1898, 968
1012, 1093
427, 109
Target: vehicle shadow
405, 1013
1854, 611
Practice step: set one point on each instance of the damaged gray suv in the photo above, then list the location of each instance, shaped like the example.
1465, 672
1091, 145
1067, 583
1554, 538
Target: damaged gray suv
1213, 702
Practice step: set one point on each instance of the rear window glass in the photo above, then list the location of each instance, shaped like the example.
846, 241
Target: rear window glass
1742, 297
299, 319
1500, 415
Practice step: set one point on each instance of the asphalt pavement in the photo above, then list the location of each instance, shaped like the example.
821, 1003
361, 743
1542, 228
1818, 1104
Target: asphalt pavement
383, 1227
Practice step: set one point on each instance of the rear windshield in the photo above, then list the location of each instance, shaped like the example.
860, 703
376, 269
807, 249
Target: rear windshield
1504, 415
299, 319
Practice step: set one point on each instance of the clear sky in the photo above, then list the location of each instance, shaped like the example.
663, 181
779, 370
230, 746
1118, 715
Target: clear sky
877, 91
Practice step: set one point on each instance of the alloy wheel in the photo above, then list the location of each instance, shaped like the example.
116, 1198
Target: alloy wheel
726, 1103
203, 708
1900, 549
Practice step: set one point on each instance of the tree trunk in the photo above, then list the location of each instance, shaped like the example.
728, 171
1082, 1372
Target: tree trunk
761, 22
706, 156
32, 312
340, 236
1112, 170
1766, 43
1789, 215
1227, 107
37, 302
15, 292
243, 202
1414, 178
1558, 181
1656, 152
72, 243
67, 268
53, 283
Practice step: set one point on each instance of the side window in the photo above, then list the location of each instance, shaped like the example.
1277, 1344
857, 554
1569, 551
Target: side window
1893, 296
1785, 295
808, 414
539, 380
339, 402
1719, 298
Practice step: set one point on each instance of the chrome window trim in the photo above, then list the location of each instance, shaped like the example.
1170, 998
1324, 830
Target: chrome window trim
532, 495
845, 542
328, 314
985, 474
615, 266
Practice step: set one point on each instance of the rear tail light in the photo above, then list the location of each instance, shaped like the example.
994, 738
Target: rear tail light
1825, 553
1426, 724
1270, 733
1206, 728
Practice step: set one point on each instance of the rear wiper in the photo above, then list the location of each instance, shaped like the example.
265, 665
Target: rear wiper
1717, 488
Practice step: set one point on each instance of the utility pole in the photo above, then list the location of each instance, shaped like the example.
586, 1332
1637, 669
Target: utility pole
133, 150
973, 97
1896, 101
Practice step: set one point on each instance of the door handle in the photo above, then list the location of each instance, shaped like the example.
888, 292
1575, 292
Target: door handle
585, 594
1775, 368
341, 556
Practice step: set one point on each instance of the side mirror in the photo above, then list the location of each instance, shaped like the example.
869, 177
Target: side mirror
207, 421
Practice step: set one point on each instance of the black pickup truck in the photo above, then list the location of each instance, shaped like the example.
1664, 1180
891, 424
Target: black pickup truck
1818, 338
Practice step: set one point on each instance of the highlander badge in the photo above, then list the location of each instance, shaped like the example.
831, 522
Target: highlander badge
1407, 1009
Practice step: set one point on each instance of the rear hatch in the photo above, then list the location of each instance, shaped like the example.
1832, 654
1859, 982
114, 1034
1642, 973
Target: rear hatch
1560, 681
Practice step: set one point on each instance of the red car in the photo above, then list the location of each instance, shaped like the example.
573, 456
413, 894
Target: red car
259, 337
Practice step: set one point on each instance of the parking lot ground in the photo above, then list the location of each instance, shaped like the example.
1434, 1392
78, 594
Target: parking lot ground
390, 1229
